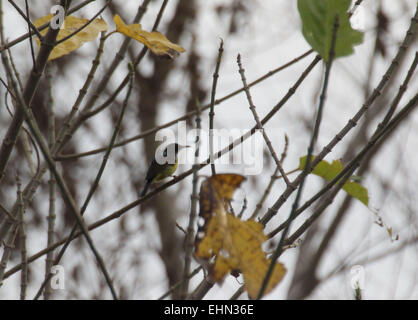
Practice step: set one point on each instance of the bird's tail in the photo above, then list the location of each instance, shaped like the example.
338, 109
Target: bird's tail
147, 184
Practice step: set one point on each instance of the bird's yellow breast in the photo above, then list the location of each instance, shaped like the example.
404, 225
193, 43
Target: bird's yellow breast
167, 171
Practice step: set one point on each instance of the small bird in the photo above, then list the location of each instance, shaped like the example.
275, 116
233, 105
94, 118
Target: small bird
157, 172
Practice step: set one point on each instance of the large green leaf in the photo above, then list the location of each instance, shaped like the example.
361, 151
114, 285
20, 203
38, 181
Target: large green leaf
318, 18
329, 171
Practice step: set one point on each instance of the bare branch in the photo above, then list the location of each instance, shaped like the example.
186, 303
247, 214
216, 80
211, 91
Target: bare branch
212, 105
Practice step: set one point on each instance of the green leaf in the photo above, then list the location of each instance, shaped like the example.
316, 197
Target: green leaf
329, 171
318, 18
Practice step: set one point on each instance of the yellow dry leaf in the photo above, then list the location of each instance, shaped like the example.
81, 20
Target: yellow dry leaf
236, 244
155, 41
70, 25
225, 184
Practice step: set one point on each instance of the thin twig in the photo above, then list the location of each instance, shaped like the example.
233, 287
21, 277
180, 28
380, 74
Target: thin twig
32, 51
238, 293
355, 6
15, 71
7, 212
65, 130
181, 228
25, 137
22, 232
260, 203
188, 241
212, 105
257, 120
176, 285
273, 178
52, 186
7, 251
286, 146
201, 289
243, 208
400, 93
159, 15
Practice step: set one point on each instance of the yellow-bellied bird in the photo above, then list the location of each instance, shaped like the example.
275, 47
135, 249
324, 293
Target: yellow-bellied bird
157, 172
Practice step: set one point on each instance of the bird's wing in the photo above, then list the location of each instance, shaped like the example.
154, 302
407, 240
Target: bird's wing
153, 170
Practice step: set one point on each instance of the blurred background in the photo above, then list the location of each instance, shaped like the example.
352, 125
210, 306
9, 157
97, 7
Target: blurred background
143, 249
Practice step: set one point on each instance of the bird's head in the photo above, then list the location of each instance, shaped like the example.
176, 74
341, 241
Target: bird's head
173, 148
